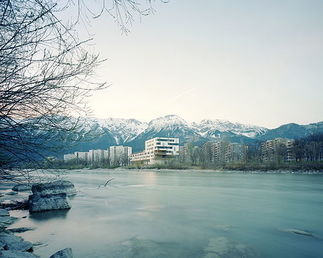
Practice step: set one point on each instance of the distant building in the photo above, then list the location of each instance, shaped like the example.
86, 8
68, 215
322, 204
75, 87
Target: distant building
157, 150
277, 149
223, 152
120, 155
235, 152
68, 157
98, 156
81, 156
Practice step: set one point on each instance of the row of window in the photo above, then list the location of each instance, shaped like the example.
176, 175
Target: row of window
165, 140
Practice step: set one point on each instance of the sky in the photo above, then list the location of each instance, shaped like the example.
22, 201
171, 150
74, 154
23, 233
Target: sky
251, 61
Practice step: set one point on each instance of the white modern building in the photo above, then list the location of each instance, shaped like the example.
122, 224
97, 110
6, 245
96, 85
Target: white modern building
120, 155
157, 150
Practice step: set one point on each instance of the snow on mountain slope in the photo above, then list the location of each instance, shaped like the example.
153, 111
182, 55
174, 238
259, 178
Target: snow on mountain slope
127, 130
123, 130
207, 128
167, 122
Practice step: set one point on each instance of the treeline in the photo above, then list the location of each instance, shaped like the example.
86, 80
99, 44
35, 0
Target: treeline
309, 148
300, 154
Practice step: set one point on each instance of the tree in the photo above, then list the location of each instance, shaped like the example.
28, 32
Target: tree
45, 76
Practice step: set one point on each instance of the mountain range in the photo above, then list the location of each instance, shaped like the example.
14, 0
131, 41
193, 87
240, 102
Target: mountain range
131, 132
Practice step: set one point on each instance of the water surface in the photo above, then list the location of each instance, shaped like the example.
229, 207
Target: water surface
184, 214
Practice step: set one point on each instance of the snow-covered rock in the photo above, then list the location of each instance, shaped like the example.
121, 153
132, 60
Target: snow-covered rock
207, 128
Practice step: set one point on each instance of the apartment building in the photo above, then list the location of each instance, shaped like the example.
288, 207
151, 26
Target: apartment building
70, 156
120, 155
81, 156
116, 155
235, 152
157, 150
276, 149
98, 156
223, 152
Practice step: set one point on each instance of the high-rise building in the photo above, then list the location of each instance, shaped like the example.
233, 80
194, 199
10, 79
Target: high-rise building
98, 156
70, 156
276, 149
119, 155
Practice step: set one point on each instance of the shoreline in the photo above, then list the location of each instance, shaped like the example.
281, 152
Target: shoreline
203, 170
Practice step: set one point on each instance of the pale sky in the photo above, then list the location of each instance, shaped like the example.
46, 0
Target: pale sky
256, 62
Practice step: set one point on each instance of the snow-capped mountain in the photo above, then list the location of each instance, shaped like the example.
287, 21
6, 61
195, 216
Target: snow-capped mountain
167, 126
134, 133
214, 128
131, 132
123, 130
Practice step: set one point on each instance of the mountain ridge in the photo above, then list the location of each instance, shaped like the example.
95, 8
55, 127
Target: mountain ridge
132, 132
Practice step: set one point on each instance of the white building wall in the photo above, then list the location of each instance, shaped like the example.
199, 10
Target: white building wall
70, 156
81, 156
157, 149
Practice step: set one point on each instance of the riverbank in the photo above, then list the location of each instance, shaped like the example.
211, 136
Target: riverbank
14, 220
175, 164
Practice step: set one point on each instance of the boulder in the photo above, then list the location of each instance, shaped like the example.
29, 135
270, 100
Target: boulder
39, 203
21, 187
12, 193
65, 253
5, 221
14, 243
15, 204
19, 246
56, 187
4, 212
16, 254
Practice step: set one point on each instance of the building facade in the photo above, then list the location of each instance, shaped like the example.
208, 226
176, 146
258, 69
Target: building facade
157, 150
81, 156
120, 155
279, 149
68, 157
98, 156
221, 152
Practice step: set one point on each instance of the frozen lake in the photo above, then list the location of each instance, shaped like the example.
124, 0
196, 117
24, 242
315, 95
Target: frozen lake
184, 214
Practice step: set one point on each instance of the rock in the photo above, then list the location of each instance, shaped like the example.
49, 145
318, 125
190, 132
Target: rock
20, 230
15, 243
5, 221
12, 193
19, 246
4, 212
16, 254
65, 253
56, 187
39, 203
15, 204
298, 232
22, 187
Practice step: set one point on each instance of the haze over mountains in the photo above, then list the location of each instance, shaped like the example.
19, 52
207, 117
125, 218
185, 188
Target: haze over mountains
131, 132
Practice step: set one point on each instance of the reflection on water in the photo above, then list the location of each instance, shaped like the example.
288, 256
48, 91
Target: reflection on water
185, 214
44, 216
